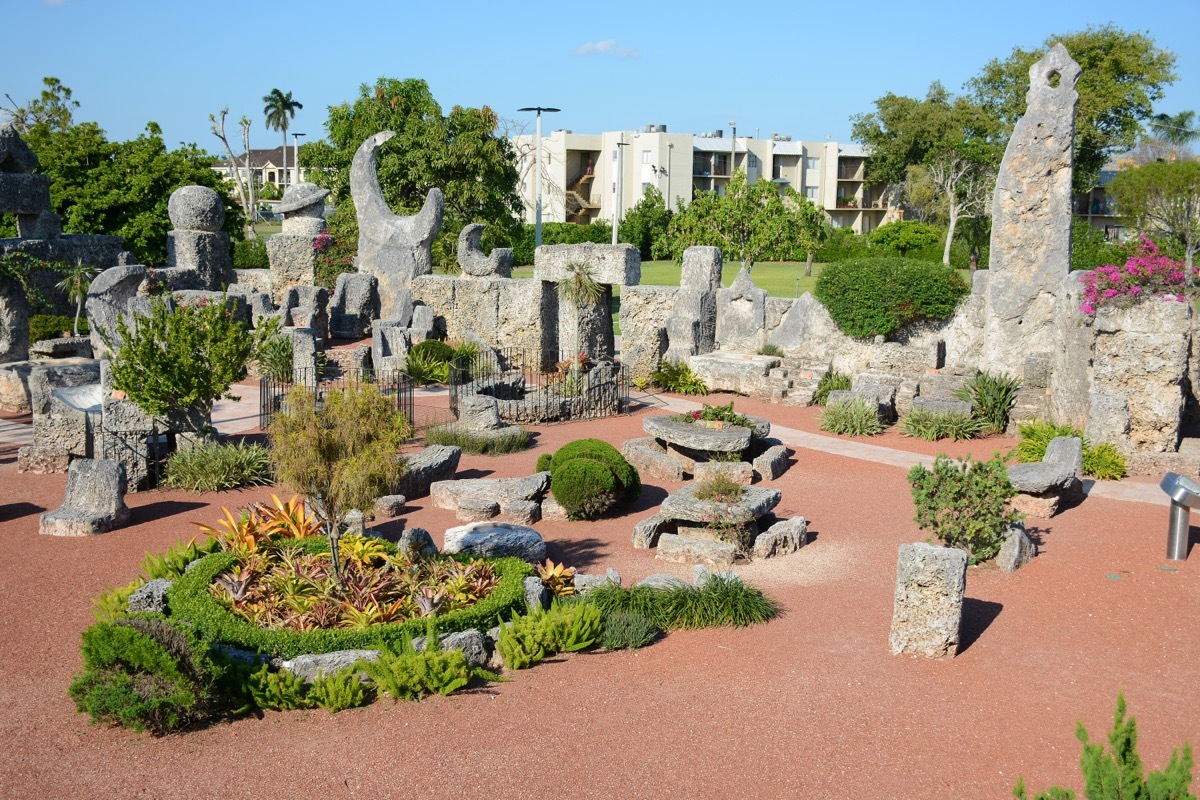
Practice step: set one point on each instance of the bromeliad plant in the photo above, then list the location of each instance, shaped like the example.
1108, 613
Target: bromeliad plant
282, 584
709, 413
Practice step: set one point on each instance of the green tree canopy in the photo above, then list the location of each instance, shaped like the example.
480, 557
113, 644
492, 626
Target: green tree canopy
645, 225
116, 188
459, 153
1124, 74
751, 221
1163, 197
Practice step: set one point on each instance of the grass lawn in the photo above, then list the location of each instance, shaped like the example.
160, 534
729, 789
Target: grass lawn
779, 278
266, 229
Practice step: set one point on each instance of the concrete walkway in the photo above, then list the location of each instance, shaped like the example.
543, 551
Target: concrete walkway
1113, 490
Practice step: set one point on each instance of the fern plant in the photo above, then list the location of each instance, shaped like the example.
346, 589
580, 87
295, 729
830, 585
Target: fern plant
677, 378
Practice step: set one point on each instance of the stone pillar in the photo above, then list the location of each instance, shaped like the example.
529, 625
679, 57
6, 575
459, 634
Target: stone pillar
14, 322
198, 243
1031, 219
742, 315
291, 253
930, 582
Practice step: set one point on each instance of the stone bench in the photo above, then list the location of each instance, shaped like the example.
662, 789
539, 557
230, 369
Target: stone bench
1043, 485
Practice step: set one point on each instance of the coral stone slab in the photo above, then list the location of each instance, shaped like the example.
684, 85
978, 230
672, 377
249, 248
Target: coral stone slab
697, 436
755, 502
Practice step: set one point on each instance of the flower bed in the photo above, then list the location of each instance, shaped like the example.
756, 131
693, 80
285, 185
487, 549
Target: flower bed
1148, 273
190, 599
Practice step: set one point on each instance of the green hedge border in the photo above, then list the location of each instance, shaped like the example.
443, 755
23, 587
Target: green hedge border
189, 601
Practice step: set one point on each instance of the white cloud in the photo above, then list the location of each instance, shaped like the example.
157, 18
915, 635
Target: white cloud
606, 47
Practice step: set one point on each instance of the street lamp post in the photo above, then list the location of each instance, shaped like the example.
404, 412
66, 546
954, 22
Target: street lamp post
618, 186
670, 152
537, 227
296, 155
732, 148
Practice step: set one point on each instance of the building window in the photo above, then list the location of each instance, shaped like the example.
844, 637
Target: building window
646, 188
752, 161
812, 192
645, 156
270, 177
812, 162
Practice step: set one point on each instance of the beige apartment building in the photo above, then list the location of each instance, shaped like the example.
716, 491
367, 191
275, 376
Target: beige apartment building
586, 177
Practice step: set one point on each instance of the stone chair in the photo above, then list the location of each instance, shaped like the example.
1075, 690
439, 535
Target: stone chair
1043, 486
94, 502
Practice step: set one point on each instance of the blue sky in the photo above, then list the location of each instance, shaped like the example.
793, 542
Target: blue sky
787, 67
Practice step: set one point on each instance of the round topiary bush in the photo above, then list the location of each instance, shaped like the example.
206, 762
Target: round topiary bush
628, 481
589, 476
586, 488
870, 297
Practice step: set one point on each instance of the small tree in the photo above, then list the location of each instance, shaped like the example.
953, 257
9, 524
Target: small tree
339, 451
646, 224
1163, 197
76, 284
176, 359
814, 229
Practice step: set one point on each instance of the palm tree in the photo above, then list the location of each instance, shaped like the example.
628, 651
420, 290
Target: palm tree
76, 284
1178, 131
280, 108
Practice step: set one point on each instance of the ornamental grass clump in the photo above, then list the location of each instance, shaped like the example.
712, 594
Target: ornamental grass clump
852, 416
1147, 273
214, 467
934, 426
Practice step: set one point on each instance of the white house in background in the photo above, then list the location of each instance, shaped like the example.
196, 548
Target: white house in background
580, 181
265, 165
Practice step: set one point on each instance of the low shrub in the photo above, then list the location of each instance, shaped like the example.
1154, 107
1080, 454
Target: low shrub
405, 674
471, 442
1119, 773
425, 369
964, 503
214, 467
853, 416
870, 297
723, 600
992, 398
564, 628
627, 630
1148, 273
831, 382
50, 326
584, 487
435, 349
1102, 461
933, 426
590, 476
677, 378
340, 691
144, 673
769, 349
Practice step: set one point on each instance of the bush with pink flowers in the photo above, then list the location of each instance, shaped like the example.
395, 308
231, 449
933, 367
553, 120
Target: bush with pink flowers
1147, 273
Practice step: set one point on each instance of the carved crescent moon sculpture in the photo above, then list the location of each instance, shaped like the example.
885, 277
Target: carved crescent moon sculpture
393, 248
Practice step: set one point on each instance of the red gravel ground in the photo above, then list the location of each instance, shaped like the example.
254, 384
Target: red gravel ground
810, 705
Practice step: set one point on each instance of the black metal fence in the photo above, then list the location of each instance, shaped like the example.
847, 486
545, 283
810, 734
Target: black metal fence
542, 386
144, 453
393, 384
